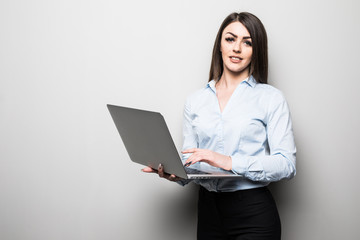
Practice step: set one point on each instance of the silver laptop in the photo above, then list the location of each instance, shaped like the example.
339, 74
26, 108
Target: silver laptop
148, 142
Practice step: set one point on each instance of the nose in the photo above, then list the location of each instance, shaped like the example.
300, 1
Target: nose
237, 47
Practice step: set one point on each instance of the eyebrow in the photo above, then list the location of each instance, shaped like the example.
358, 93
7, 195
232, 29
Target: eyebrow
245, 37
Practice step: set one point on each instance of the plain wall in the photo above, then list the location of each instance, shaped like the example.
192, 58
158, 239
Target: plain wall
64, 172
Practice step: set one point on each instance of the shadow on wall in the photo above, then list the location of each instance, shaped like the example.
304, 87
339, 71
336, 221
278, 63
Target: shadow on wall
289, 197
288, 193
180, 217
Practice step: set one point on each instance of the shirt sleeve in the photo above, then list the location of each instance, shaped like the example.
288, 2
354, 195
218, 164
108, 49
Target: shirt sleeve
189, 136
281, 161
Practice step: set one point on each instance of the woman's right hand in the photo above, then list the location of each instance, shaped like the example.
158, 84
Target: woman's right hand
161, 173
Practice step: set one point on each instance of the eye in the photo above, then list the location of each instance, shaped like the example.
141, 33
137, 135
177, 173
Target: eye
248, 43
230, 39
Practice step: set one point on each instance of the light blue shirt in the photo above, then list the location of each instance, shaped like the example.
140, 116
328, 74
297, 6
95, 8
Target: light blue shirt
254, 128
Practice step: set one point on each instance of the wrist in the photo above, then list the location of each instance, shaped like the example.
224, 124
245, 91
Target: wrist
228, 163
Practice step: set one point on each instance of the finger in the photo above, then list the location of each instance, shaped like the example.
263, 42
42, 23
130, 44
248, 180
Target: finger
161, 171
187, 164
189, 161
191, 150
148, 170
172, 177
194, 159
167, 176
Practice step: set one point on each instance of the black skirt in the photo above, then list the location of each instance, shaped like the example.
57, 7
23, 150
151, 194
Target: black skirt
242, 215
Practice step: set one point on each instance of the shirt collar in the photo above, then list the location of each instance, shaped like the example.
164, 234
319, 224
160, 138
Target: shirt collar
250, 81
211, 85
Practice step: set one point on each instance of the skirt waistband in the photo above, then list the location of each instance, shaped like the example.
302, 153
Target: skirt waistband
242, 193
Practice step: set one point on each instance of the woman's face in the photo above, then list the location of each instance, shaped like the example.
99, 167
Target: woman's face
236, 48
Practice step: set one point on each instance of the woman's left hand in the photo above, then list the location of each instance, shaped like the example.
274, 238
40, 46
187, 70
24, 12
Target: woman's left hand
213, 158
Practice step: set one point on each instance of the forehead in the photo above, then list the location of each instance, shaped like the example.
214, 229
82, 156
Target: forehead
236, 28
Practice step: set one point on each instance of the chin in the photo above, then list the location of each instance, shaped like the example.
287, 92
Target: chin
238, 71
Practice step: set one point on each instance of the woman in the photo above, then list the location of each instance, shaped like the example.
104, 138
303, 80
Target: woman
241, 124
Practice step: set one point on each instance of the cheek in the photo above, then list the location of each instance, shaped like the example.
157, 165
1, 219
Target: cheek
223, 54
225, 47
249, 53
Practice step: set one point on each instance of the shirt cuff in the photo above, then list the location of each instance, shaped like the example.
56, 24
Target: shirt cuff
248, 167
183, 182
239, 165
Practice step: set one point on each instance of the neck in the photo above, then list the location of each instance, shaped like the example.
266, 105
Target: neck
230, 79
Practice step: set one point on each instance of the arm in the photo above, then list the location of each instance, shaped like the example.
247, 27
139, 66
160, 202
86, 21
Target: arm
189, 136
280, 164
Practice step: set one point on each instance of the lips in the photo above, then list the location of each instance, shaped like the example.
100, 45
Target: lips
235, 59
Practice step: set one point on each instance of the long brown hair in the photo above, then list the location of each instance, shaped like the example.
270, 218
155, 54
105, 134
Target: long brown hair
259, 60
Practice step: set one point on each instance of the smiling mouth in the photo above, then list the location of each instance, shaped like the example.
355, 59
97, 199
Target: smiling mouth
236, 58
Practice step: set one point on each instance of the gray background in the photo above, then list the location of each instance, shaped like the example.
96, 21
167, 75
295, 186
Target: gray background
64, 172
